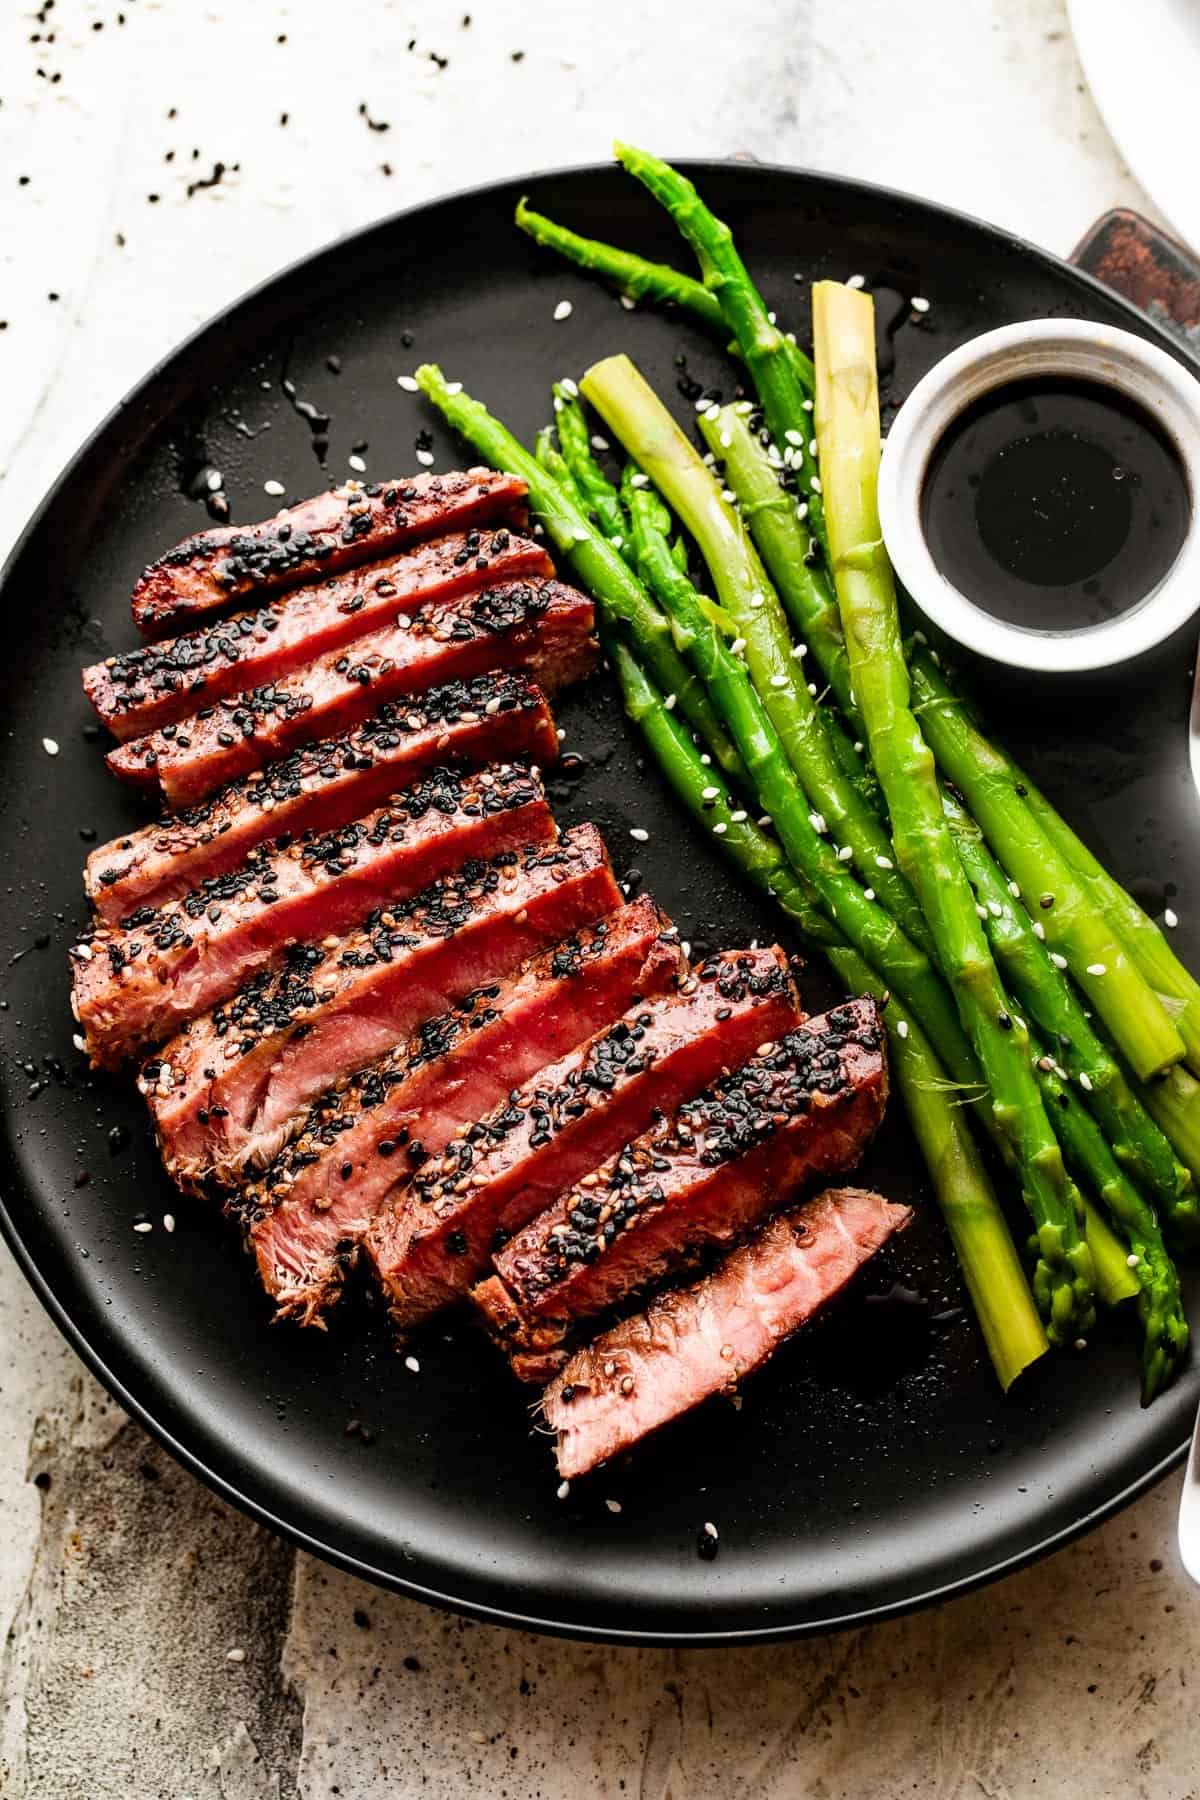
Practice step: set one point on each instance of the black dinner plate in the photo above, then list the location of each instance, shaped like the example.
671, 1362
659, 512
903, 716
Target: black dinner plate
875, 1465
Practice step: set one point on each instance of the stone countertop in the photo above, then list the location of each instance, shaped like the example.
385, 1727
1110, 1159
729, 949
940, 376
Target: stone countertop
155, 159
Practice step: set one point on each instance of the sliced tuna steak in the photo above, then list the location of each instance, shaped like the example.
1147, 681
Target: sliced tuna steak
808, 1107
337, 530
159, 684
508, 1165
492, 718
540, 626
313, 1205
226, 1092
136, 985
702, 1340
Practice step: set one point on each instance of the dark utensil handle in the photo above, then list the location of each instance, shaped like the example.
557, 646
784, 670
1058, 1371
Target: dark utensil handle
1146, 266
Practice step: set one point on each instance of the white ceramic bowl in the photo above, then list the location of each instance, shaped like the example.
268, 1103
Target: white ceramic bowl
1065, 348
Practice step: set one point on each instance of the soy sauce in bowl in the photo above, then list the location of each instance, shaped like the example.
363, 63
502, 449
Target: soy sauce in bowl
1055, 504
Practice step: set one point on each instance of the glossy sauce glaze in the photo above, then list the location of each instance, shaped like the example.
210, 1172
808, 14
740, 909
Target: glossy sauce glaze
1055, 505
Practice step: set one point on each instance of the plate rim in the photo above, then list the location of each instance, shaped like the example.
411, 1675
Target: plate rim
75, 1330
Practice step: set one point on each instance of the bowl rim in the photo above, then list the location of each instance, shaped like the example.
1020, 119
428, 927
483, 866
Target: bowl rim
1077, 348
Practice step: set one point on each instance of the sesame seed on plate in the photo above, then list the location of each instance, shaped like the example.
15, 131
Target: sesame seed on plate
856, 281
919, 303
274, 487
639, 835
1171, 918
50, 746
1081, 1343
168, 1221
570, 387
357, 464
425, 458
598, 442
614, 1506
563, 1489
628, 302
563, 310
412, 1365
143, 1225
710, 1529
214, 481
236, 1655
408, 384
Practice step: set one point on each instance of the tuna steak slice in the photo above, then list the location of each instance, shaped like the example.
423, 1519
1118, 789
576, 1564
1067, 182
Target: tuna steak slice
337, 530
228, 1090
318, 1198
158, 684
491, 718
509, 1165
701, 1340
807, 1107
538, 625
136, 985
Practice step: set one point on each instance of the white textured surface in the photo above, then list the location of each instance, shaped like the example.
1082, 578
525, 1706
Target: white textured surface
123, 1585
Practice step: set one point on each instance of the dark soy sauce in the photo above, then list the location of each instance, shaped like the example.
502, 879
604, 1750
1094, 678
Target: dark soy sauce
1055, 505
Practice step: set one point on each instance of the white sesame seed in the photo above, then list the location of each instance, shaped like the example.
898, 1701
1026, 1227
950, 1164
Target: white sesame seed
706, 759
638, 835
806, 406
79, 1041
728, 496
793, 437
779, 681
720, 830
868, 893
409, 385
708, 793
1096, 969
50, 746
995, 908
562, 1490
628, 302
274, 487
614, 1506
168, 1221
1170, 918
425, 458
757, 600
710, 1529
639, 480
1060, 962
702, 404
143, 1225
902, 1028
1132, 1260
856, 281
740, 816
771, 318
858, 745
412, 1365
563, 310
1039, 930
1014, 890
981, 910
1081, 1343
235, 1655
815, 484
1085, 1081
558, 405
569, 386
802, 510
725, 441
670, 702
737, 646
919, 303
812, 446
817, 821
477, 1736
581, 534
357, 464
884, 862
845, 853
213, 481
454, 387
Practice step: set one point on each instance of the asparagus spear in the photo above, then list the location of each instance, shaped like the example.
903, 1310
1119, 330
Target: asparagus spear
848, 434
599, 494
991, 1268
1143, 940
771, 359
1138, 1145
629, 274
611, 582
1160, 1304
632, 410
1173, 1102
551, 459
1074, 929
